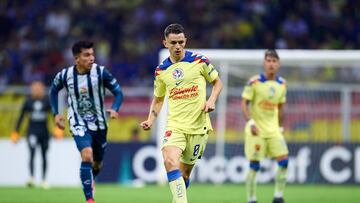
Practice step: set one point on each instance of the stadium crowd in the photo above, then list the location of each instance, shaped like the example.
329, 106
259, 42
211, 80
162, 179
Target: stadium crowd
36, 35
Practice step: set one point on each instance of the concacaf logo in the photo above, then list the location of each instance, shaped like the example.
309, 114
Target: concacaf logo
178, 73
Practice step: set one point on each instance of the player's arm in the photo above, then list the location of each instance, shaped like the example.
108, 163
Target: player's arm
155, 108
55, 88
245, 109
281, 114
216, 89
111, 84
247, 97
15, 134
246, 114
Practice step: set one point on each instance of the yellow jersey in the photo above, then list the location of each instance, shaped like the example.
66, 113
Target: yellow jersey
184, 83
265, 96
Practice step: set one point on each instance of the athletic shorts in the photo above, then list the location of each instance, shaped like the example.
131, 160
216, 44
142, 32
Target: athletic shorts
257, 147
192, 145
94, 139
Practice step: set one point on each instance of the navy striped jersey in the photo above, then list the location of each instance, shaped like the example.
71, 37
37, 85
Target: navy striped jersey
86, 94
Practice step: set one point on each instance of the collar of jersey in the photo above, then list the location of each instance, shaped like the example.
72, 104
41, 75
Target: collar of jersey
262, 78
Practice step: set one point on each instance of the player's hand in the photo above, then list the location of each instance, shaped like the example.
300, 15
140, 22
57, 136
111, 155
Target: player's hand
60, 121
112, 113
209, 106
58, 133
146, 125
254, 130
14, 137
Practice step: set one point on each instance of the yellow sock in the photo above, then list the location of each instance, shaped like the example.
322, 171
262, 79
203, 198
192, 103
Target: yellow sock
280, 181
177, 186
251, 185
178, 190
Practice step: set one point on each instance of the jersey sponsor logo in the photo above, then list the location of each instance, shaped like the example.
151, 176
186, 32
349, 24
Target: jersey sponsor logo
89, 117
178, 73
184, 93
267, 105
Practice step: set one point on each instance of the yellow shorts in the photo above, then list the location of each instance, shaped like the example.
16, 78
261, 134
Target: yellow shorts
192, 145
257, 147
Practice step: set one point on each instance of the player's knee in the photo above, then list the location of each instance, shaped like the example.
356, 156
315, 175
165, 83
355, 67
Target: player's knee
255, 165
171, 163
283, 163
87, 155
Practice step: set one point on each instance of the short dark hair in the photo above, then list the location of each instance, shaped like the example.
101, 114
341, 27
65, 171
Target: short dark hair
271, 53
76, 48
174, 29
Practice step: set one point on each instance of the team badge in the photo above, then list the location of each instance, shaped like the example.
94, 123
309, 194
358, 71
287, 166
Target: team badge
178, 73
272, 92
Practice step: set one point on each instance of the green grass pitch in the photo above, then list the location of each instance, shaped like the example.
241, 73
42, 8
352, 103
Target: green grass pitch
198, 193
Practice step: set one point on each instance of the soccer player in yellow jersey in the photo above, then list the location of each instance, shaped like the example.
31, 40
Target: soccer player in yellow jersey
263, 132
182, 78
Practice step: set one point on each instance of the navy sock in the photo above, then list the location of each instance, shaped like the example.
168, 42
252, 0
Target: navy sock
86, 179
187, 183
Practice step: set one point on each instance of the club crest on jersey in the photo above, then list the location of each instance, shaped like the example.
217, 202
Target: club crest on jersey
178, 73
272, 92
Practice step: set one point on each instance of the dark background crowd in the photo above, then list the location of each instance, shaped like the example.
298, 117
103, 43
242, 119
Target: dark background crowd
36, 35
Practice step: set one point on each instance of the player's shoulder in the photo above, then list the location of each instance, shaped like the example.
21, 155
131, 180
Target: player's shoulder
165, 64
254, 79
195, 57
280, 80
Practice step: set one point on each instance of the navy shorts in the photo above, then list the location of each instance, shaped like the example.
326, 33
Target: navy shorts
94, 139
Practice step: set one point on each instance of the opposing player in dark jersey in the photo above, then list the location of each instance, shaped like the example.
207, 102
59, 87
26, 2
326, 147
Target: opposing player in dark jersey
37, 106
85, 83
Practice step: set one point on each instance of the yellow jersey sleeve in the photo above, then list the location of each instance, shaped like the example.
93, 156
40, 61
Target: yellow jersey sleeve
283, 97
248, 92
159, 85
209, 71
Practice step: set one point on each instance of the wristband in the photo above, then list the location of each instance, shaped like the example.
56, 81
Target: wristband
251, 122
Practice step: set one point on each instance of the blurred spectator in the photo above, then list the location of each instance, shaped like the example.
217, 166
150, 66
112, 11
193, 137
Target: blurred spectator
35, 34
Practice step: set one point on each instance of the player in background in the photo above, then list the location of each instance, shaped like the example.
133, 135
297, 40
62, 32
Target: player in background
182, 77
266, 93
37, 106
85, 83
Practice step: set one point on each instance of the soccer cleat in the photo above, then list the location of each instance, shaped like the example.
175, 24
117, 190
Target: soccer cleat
253, 202
278, 200
45, 185
90, 201
30, 182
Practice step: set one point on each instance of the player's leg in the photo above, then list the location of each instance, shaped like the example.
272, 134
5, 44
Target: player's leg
98, 146
31, 141
185, 172
279, 150
255, 149
174, 144
83, 144
44, 145
194, 150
